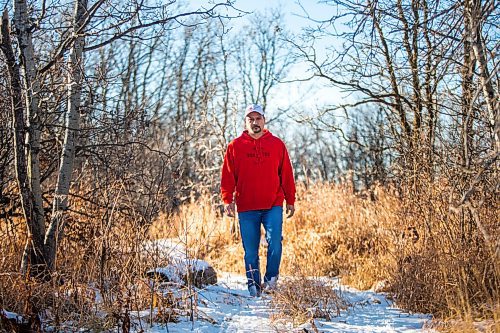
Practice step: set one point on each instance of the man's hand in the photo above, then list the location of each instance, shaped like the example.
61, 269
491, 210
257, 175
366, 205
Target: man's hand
290, 209
229, 209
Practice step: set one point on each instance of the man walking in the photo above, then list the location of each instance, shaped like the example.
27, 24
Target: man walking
258, 176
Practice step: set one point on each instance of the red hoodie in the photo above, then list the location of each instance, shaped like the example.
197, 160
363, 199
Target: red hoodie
258, 172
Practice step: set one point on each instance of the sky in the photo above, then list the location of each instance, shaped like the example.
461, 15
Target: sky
303, 97
295, 10
306, 96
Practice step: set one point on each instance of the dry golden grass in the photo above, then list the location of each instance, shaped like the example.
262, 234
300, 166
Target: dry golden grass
435, 259
333, 232
300, 299
468, 325
95, 261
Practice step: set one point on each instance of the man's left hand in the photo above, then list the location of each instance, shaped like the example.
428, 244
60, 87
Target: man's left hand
290, 210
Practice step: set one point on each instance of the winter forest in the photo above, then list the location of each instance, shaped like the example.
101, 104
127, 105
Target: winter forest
114, 121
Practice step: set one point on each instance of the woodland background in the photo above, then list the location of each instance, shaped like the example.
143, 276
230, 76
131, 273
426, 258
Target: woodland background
115, 117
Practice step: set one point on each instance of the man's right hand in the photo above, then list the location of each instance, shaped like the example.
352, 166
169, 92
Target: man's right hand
229, 209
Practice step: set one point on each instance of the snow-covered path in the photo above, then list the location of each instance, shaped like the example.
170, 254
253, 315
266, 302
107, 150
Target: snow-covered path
227, 308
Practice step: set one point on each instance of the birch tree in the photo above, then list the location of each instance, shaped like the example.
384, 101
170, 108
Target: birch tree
475, 14
72, 125
93, 26
35, 227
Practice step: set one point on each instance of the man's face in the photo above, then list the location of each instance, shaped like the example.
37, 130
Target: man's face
254, 122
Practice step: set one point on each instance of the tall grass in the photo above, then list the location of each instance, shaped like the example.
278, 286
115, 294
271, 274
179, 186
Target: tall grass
100, 281
430, 257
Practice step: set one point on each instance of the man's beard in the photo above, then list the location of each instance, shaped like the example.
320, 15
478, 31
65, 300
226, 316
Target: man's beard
256, 129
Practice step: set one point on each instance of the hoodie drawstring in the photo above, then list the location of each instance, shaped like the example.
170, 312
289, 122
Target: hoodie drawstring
258, 151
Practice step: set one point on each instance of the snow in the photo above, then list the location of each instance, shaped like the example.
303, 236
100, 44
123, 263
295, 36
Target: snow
179, 267
11, 315
176, 252
226, 307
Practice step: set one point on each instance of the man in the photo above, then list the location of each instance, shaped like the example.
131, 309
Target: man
258, 176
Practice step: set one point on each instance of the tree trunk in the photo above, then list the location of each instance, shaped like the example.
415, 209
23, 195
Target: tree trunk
60, 202
475, 11
411, 46
398, 107
429, 83
467, 93
33, 252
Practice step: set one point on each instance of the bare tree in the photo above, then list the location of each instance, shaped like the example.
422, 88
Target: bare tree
262, 56
401, 57
427, 71
95, 26
35, 227
248, 65
7, 195
72, 125
476, 13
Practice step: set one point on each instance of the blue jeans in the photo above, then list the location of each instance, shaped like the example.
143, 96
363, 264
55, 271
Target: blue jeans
250, 221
